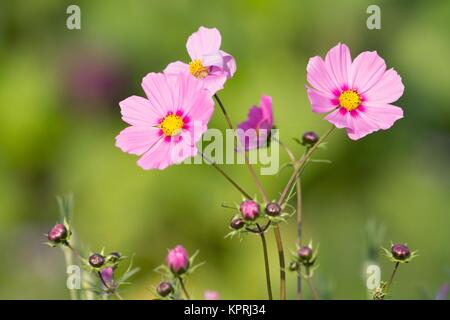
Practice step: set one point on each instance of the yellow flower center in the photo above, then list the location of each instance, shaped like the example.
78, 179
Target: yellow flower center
171, 125
349, 99
197, 69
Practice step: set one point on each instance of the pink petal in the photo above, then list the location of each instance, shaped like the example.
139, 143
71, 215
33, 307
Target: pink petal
366, 71
214, 82
266, 107
359, 126
340, 118
229, 64
159, 92
338, 62
202, 42
138, 111
137, 139
388, 89
383, 116
158, 157
319, 102
318, 77
176, 67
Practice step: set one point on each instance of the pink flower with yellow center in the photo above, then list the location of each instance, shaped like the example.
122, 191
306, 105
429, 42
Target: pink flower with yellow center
208, 63
165, 126
357, 95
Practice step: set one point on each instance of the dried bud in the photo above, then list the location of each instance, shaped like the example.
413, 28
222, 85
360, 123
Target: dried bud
305, 253
249, 209
178, 260
400, 252
58, 233
164, 289
310, 138
96, 260
237, 223
273, 209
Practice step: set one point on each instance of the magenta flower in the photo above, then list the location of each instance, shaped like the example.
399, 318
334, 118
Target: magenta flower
255, 130
208, 63
165, 127
358, 94
178, 259
211, 295
107, 275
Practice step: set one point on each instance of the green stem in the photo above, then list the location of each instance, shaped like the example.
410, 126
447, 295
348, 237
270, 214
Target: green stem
68, 257
266, 262
300, 164
183, 288
314, 293
277, 233
391, 279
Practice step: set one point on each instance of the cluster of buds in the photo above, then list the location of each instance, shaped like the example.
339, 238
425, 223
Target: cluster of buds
99, 261
249, 214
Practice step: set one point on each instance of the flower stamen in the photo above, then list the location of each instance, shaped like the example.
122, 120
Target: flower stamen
350, 100
197, 69
171, 125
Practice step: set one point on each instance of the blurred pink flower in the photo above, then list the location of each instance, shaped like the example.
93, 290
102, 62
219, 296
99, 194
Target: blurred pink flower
211, 295
165, 127
358, 94
255, 130
208, 63
178, 259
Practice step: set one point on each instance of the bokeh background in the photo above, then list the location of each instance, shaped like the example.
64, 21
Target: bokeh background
59, 94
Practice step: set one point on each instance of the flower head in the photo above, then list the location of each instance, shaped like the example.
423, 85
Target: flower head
178, 259
96, 260
107, 275
310, 138
164, 289
254, 132
208, 63
357, 95
165, 127
249, 209
400, 251
273, 209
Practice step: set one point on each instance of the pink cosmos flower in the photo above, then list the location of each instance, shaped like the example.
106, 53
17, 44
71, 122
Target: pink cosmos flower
208, 63
358, 94
165, 127
178, 259
107, 275
255, 130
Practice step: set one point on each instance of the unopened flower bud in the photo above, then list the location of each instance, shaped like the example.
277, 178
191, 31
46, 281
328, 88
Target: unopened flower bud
211, 295
164, 289
400, 252
237, 223
273, 209
305, 253
310, 138
114, 256
249, 209
96, 260
178, 260
58, 233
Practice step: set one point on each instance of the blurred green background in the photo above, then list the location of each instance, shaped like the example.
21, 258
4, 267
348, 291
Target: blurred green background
59, 94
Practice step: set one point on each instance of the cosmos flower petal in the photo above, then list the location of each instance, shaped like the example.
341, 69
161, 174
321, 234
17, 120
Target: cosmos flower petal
158, 157
338, 62
319, 78
203, 42
388, 89
366, 71
229, 64
159, 92
319, 102
137, 139
138, 111
176, 67
383, 115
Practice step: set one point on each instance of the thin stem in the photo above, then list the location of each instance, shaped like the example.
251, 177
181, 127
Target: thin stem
301, 163
184, 288
247, 162
391, 279
266, 261
277, 233
108, 288
226, 176
314, 293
